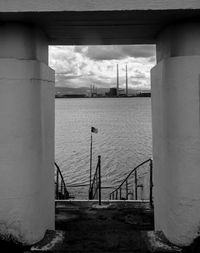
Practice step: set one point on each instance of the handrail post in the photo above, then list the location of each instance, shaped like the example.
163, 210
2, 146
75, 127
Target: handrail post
90, 160
126, 189
57, 184
151, 183
135, 184
99, 161
120, 193
114, 193
61, 190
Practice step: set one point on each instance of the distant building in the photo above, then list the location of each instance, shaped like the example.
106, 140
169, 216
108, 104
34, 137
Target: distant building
144, 94
112, 92
70, 96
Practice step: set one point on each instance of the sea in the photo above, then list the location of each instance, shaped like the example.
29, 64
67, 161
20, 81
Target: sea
124, 139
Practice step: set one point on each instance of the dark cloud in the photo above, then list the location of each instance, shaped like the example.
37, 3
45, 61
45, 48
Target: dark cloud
152, 59
100, 53
84, 65
79, 49
139, 75
139, 51
64, 72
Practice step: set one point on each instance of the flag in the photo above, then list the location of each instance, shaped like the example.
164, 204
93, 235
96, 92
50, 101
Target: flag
94, 130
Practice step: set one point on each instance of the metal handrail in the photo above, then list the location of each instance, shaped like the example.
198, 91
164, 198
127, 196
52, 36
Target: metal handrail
114, 193
61, 189
95, 187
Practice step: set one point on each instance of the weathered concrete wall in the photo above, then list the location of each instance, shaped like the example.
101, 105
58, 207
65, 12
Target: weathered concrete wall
176, 135
26, 136
95, 5
178, 40
26, 104
23, 42
86, 22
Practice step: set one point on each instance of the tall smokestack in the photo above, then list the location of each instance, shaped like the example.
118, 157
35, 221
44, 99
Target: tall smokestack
126, 81
117, 80
91, 90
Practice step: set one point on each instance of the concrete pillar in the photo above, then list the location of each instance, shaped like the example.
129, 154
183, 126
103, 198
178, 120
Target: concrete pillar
176, 133
26, 134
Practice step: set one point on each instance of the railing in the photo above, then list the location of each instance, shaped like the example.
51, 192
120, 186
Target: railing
136, 185
60, 187
95, 187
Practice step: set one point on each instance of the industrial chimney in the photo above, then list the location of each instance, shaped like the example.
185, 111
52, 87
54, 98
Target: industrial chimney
117, 80
126, 81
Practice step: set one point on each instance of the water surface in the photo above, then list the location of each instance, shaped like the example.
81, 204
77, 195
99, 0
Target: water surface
123, 141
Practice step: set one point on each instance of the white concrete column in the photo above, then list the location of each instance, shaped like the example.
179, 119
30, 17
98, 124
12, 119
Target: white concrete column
26, 134
176, 133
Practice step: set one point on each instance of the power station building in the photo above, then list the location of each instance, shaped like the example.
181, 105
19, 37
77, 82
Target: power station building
112, 92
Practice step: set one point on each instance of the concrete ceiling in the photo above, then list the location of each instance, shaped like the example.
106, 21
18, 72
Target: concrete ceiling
70, 22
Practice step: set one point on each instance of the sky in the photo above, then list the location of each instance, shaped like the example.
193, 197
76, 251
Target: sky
83, 66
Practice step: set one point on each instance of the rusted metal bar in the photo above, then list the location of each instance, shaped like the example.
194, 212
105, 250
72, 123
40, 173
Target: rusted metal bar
95, 187
60, 184
99, 161
90, 161
120, 193
151, 183
136, 184
124, 181
126, 189
57, 184
61, 189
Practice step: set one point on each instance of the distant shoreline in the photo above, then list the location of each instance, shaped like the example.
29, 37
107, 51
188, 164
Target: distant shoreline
101, 96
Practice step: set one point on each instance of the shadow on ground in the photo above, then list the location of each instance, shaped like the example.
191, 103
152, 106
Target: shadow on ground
111, 228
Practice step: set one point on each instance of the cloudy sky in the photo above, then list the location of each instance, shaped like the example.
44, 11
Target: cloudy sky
82, 66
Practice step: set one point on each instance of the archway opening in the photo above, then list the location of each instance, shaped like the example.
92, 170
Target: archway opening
107, 87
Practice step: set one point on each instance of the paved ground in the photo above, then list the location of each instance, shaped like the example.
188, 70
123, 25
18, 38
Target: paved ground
112, 228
